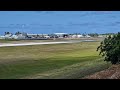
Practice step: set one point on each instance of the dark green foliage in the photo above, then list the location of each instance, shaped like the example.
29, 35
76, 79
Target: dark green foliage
93, 34
84, 34
110, 48
7, 33
17, 33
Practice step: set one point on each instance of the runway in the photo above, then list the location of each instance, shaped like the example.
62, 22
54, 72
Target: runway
40, 43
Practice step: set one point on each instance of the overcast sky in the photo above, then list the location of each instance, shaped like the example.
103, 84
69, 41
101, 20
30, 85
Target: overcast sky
60, 21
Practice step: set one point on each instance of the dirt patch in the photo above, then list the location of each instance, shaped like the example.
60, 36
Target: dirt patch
111, 73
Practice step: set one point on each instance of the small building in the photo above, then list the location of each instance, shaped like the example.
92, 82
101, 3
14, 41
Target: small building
53, 36
87, 36
32, 35
38, 36
80, 36
62, 35
74, 36
8, 36
100, 36
77, 36
20, 36
14, 37
2, 37
47, 37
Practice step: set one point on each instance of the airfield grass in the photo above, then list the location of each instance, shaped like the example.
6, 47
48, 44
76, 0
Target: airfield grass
74, 60
21, 41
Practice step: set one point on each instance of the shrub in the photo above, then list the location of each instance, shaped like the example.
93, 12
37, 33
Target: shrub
110, 48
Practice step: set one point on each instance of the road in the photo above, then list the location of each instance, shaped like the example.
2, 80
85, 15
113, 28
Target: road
39, 43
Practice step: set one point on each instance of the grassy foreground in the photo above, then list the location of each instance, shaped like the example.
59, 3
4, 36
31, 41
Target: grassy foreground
50, 61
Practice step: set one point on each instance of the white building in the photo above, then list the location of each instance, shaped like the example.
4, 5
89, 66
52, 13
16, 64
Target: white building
47, 37
14, 36
20, 36
2, 37
100, 36
88, 36
77, 36
8, 36
80, 36
74, 36
61, 35
36, 34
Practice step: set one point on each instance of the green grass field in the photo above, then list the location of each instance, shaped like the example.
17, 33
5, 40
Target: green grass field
50, 61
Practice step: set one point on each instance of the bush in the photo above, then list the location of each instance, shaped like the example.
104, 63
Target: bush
110, 48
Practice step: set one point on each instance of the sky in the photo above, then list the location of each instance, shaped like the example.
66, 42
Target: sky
47, 22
